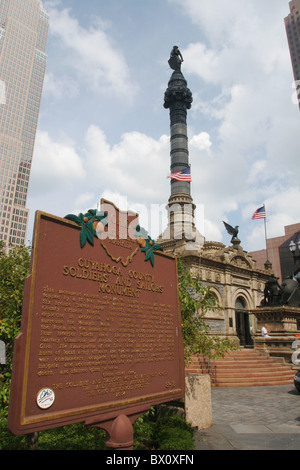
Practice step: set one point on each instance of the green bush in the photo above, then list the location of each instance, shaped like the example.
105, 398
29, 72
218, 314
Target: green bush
143, 429
72, 437
166, 433
173, 433
14, 268
169, 433
7, 440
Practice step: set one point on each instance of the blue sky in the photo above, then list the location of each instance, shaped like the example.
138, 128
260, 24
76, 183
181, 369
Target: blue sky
103, 131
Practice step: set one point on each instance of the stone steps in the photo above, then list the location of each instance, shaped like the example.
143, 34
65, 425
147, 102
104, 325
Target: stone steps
243, 368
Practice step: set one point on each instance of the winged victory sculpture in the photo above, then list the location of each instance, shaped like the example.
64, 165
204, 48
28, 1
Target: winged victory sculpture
233, 231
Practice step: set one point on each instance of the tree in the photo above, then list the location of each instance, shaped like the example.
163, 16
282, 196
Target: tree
196, 300
14, 268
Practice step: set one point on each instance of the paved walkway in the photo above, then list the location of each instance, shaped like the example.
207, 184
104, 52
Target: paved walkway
253, 418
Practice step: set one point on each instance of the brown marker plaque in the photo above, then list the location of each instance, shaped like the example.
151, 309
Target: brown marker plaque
100, 333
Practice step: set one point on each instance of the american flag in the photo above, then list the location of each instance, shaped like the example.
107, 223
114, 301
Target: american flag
260, 213
183, 175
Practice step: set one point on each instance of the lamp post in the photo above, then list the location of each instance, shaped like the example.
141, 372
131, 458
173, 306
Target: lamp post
293, 248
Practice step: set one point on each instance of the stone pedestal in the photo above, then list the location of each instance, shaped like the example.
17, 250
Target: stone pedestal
280, 319
282, 325
279, 347
198, 411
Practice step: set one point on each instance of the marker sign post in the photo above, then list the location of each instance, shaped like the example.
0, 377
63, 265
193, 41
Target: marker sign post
100, 338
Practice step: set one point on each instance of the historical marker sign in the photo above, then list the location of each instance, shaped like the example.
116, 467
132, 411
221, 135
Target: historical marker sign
101, 329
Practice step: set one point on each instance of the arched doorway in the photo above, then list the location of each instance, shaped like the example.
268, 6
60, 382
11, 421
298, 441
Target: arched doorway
242, 323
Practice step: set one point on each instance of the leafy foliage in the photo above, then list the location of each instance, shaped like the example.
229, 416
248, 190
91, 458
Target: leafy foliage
196, 300
150, 433
7, 440
72, 437
173, 433
14, 268
146, 243
164, 433
88, 222
143, 428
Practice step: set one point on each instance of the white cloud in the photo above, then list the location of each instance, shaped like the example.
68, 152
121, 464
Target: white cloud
201, 141
97, 61
245, 153
282, 208
131, 173
86, 199
55, 165
135, 167
258, 172
211, 231
60, 87
254, 158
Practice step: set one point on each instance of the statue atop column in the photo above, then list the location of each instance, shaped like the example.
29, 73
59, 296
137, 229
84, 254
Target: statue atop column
178, 98
176, 59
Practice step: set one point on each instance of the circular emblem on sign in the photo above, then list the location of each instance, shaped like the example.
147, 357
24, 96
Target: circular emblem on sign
45, 398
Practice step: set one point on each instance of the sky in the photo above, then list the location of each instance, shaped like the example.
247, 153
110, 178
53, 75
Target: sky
103, 130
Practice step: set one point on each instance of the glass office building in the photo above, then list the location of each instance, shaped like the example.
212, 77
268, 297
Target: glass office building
23, 35
292, 25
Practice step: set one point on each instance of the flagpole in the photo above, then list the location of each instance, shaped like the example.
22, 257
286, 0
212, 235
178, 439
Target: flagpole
266, 237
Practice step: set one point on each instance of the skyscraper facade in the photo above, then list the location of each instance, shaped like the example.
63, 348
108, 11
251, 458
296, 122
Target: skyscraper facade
23, 35
292, 25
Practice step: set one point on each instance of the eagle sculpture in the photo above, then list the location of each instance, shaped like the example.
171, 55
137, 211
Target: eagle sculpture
233, 231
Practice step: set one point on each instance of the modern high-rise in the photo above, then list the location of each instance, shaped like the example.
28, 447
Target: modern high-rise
23, 35
292, 25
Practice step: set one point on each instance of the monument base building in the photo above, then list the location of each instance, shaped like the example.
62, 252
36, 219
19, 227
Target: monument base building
235, 281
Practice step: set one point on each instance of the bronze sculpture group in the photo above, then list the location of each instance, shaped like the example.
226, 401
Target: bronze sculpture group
288, 293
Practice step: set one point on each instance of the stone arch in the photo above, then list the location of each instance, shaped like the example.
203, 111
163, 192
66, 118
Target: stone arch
216, 293
244, 295
261, 298
215, 317
242, 305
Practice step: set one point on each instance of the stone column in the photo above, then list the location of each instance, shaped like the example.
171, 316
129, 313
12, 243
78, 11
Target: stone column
178, 99
181, 208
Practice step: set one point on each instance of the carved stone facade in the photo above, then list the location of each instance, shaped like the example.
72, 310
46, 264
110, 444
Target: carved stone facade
237, 284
